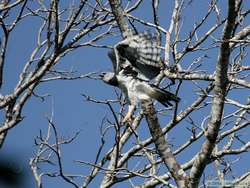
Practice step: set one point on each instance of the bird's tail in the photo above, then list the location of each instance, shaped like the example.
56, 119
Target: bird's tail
163, 96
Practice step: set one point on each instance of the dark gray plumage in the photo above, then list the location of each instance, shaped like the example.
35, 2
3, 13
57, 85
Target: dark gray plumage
142, 52
145, 72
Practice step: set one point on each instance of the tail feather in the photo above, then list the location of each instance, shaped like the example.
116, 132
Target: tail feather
163, 96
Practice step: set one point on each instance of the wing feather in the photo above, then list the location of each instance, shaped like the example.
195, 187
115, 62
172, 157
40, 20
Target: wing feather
143, 53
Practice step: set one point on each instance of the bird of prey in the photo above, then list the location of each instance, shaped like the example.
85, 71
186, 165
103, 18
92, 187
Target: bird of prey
136, 60
136, 90
142, 52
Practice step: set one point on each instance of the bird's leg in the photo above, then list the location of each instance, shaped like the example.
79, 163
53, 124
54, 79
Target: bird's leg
128, 116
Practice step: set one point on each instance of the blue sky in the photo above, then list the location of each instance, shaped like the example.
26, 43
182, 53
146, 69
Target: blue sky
72, 113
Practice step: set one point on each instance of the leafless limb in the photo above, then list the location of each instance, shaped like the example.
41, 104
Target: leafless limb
207, 57
46, 153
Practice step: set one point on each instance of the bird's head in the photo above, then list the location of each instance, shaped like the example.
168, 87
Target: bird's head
109, 78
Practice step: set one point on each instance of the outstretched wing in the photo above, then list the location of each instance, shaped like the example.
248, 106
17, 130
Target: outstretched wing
123, 62
143, 53
143, 48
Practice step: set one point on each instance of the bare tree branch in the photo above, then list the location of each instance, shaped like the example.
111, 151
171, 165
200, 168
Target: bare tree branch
221, 82
162, 147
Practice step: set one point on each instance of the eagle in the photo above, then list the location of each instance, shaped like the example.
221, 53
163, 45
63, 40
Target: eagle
136, 61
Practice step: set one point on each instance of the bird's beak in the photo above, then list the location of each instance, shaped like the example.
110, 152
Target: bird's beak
101, 75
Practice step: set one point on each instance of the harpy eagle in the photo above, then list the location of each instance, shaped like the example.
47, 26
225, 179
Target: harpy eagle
136, 61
